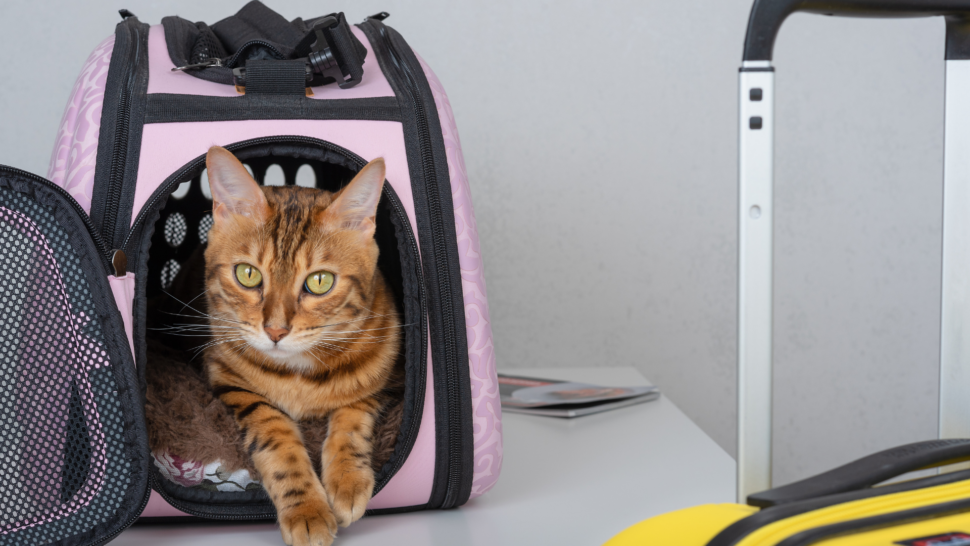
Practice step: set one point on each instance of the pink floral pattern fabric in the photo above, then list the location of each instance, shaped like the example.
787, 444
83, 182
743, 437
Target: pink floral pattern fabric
211, 476
178, 470
486, 410
76, 149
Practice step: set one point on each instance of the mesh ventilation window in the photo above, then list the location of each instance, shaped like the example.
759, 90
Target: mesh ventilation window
205, 224
63, 469
175, 228
168, 273
185, 221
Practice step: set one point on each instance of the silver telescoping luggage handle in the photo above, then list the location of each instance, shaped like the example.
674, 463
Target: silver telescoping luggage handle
768, 15
756, 212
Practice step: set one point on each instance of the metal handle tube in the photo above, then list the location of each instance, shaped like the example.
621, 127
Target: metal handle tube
755, 233
767, 16
955, 306
755, 280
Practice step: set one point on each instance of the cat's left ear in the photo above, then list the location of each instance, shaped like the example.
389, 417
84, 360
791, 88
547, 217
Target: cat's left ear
234, 192
355, 207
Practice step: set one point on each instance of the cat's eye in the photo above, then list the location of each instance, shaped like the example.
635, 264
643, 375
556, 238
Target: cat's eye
319, 283
248, 276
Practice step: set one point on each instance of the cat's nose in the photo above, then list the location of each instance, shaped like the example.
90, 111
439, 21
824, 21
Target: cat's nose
276, 334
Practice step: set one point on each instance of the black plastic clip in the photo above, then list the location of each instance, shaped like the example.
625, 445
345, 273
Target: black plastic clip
212, 61
125, 14
379, 16
321, 57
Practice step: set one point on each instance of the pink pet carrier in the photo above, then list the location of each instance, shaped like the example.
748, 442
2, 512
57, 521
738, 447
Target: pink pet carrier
125, 204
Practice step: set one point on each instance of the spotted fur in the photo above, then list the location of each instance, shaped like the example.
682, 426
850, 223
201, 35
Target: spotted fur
337, 350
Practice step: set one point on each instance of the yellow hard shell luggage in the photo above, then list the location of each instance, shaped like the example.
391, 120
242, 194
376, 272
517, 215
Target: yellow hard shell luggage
845, 506
842, 507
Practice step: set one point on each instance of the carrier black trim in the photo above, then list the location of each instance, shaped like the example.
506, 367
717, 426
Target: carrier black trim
173, 108
434, 214
119, 142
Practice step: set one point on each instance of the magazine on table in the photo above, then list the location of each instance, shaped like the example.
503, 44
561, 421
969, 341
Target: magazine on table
556, 398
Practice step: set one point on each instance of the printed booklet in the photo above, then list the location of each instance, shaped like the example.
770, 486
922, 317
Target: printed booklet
564, 398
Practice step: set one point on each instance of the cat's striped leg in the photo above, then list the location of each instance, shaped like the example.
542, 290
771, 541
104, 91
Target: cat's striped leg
347, 474
277, 449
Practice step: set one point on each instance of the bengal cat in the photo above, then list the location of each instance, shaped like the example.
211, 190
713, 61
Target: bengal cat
303, 326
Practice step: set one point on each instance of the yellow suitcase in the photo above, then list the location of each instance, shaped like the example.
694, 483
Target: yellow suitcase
841, 507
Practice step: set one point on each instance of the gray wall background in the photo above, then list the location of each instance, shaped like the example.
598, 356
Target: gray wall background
600, 141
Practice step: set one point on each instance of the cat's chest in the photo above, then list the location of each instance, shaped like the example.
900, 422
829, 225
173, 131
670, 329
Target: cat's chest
301, 397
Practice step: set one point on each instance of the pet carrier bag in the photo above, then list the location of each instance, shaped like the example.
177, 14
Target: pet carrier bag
126, 202
840, 507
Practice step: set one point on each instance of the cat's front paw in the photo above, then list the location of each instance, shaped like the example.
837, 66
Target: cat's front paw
308, 524
349, 492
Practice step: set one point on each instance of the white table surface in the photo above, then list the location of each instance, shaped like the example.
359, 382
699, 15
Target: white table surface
578, 481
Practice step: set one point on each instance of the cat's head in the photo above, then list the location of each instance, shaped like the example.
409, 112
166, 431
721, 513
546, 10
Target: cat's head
290, 271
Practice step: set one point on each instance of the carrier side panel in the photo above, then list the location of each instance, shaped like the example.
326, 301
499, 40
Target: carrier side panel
486, 409
76, 149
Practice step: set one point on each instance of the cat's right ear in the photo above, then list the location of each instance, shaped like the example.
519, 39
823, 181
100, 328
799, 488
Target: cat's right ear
234, 192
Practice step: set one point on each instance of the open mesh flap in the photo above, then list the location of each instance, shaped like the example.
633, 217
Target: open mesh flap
63, 469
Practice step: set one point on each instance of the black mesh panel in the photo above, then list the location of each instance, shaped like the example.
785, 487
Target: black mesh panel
62, 466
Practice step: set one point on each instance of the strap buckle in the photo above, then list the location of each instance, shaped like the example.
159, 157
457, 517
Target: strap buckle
321, 58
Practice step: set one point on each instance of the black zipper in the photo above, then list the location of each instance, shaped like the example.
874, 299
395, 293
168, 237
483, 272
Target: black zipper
128, 523
103, 248
174, 180
153, 484
438, 228
119, 158
231, 61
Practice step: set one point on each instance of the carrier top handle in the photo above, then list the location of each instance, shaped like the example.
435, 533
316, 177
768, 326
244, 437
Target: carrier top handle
756, 220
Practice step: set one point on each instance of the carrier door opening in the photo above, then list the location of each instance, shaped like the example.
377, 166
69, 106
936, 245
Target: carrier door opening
198, 452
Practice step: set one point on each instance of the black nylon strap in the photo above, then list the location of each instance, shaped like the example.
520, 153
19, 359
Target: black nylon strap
350, 52
257, 33
255, 21
275, 77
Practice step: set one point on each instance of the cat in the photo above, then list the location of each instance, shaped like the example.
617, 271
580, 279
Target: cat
303, 326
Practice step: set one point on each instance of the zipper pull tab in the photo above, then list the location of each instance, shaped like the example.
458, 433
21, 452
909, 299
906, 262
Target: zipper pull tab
120, 263
379, 16
212, 61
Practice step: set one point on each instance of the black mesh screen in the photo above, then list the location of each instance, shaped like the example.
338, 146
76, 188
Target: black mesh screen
62, 466
207, 46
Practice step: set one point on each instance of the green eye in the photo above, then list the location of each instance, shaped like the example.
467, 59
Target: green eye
319, 283
248, 276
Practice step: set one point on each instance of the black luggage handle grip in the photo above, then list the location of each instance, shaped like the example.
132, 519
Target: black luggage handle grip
868, 471
768, 15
